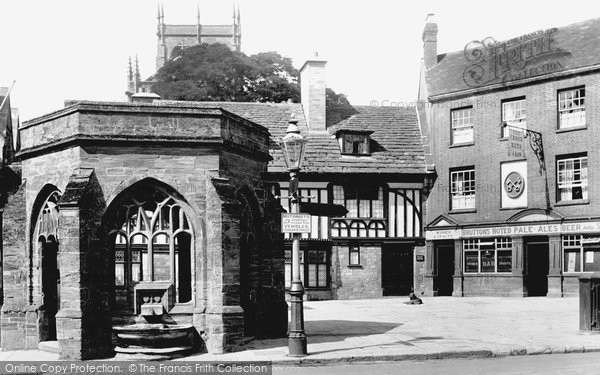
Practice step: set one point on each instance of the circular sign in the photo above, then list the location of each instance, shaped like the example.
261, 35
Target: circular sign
514, 184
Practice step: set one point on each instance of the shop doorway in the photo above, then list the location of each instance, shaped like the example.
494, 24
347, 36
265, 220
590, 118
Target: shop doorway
397, 269
537, 261
443, 283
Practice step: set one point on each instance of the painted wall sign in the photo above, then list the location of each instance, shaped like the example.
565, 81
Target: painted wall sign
295, 223
518, 230
446, 234
523, 57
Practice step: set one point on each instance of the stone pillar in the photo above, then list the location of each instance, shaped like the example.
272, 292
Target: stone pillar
429, 268
225, 316
458, 269
83, 323
518, 264
69, 327
555, 267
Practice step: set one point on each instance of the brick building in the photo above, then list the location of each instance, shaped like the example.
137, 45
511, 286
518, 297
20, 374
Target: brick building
503, 219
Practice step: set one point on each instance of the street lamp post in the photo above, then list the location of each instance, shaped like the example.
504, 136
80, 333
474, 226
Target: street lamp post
292, 146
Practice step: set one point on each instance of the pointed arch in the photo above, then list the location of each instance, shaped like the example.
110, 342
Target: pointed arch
44, 274
153, 236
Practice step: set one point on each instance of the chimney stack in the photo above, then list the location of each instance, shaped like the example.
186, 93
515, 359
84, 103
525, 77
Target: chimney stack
312, 93
430, 42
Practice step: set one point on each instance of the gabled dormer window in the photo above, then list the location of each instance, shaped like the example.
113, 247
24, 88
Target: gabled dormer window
355, 142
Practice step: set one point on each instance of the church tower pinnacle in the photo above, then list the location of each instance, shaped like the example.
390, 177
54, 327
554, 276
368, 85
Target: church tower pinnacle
199, 27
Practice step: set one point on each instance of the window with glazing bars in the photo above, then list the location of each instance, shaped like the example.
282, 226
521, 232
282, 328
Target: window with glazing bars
354, 255
571, 108
514, 114
572, 181
462, 189
462, 125
487, 255
361, 201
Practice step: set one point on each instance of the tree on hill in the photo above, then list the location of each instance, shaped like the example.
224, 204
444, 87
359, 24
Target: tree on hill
212, 72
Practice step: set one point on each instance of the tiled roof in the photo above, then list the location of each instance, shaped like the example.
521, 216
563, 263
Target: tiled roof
205, 30
575, 46
396, 147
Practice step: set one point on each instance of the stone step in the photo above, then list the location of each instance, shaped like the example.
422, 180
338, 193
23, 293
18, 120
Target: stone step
143, 353
48, 346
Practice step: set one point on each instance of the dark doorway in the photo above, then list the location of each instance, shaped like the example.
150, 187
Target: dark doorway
443, 283
397, 269
183, 243
50, 289
537, 261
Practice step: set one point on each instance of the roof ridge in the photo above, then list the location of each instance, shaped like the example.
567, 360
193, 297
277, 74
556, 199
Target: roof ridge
591, 20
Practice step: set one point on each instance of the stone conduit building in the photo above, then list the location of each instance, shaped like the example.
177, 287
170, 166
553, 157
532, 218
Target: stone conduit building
114, 194
497, 224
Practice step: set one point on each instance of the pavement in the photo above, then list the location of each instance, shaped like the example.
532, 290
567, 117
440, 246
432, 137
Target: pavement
386, 329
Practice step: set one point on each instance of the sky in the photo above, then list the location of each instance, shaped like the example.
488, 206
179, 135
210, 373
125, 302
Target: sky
78, 49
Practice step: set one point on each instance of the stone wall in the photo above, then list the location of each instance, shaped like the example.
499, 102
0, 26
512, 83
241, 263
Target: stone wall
493, 285
214, 178
354, 282
18, 320
420, 282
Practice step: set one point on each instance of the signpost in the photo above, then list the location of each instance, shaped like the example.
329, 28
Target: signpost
295, 223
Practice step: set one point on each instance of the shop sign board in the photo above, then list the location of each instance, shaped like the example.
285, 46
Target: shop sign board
517, 230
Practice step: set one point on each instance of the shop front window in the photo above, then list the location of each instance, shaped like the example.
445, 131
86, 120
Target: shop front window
581, 253
492, 255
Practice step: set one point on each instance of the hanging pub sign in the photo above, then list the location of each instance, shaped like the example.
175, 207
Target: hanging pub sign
516, 143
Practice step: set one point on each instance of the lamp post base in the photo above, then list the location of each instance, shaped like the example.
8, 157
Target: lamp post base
297, 346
